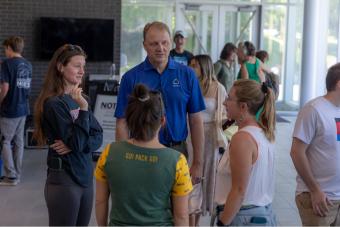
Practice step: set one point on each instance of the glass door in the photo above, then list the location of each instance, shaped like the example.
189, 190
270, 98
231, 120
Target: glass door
209, 27
200, 22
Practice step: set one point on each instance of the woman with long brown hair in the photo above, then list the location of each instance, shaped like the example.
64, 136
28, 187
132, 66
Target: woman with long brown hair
214, 95
245, 175
63, 122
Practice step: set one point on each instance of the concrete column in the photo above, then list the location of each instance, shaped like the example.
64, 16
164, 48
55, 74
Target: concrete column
314, 49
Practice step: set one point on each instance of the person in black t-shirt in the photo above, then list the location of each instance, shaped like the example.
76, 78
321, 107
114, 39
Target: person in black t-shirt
15, 86
63, 121
178, 53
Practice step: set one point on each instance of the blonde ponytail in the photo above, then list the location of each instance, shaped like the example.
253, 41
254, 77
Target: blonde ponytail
258, 97
267, 118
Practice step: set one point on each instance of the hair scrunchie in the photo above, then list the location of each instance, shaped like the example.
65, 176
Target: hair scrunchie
145, 98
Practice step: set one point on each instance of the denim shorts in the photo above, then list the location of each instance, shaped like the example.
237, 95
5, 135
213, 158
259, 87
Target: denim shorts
253, 216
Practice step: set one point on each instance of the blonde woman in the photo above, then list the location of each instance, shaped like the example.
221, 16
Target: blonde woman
245, 175
214, 95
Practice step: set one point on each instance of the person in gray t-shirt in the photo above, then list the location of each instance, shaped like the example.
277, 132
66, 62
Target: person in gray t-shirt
316, 155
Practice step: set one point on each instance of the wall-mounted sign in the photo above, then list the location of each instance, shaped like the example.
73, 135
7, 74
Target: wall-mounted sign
104, 112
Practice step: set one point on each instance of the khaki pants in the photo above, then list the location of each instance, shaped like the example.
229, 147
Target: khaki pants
308, 218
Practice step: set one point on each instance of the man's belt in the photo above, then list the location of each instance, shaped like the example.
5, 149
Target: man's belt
173, 143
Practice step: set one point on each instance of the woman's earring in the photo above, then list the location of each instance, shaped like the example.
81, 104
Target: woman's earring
241, 118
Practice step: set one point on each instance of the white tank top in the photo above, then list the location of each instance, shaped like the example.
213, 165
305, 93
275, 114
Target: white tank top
209, 113
260, 190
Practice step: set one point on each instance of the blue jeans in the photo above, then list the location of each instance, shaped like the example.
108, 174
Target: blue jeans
252, 216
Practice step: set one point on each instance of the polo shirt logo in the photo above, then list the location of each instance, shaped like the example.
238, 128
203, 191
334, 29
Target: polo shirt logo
175, 83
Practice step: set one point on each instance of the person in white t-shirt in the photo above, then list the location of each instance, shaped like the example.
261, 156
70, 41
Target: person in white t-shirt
245, 174
316, 155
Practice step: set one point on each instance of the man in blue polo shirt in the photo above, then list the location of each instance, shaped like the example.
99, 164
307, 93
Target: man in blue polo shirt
180, 91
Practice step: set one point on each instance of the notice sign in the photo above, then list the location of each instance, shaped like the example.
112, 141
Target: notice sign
104, 112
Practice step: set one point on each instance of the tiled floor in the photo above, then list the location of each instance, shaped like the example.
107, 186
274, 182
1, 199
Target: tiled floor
24, 204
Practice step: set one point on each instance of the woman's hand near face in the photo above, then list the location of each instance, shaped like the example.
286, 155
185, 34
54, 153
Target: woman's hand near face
76, 94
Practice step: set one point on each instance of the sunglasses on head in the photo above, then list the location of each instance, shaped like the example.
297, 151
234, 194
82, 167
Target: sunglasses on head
68, 48
72, 47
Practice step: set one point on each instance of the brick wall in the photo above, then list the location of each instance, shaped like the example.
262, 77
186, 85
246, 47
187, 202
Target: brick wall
21, 17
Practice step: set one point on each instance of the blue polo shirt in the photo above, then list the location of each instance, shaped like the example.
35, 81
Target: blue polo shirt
180, 91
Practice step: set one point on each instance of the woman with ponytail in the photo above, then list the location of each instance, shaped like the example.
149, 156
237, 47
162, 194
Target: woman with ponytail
141, 174
245, 175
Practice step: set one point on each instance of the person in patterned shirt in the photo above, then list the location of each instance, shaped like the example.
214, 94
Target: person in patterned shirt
148, 182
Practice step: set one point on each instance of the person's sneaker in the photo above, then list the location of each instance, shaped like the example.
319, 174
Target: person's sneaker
8, 181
